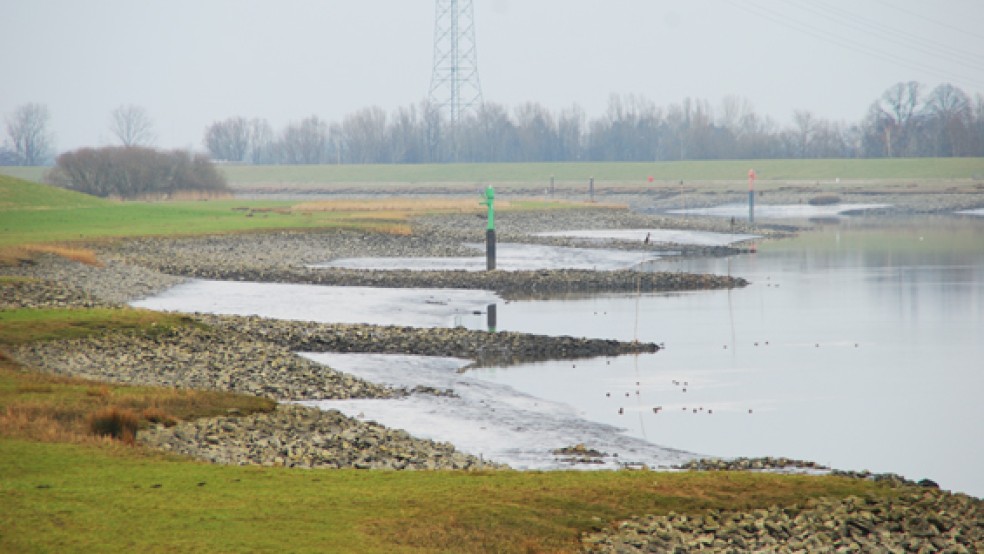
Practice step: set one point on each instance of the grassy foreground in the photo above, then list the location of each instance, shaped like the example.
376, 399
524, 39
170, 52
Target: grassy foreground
58, 497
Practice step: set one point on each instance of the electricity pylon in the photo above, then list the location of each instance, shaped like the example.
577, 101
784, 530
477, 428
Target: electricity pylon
455, 88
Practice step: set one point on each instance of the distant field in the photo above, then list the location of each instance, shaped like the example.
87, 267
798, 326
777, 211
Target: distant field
609, 173
628, 173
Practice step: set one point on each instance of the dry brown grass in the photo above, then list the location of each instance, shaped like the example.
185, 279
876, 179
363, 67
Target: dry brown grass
118, 423
52, 408
14, 255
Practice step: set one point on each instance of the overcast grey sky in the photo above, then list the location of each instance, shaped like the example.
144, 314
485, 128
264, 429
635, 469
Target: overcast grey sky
192, 62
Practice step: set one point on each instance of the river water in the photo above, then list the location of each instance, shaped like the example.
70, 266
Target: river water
859, 345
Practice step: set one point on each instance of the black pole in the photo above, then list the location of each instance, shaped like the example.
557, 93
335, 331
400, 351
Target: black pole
490, 249
491, 318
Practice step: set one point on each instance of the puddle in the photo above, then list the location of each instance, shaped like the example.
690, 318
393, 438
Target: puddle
656, 236
782, 211
509, 256
486, 418
325, 304
977, 212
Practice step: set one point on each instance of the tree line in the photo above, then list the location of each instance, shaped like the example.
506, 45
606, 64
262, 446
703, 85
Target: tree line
907, 120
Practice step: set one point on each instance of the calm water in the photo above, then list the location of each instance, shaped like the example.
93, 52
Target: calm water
859, 345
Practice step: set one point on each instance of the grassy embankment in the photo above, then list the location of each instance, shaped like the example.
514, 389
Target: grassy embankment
35, 216
63, 490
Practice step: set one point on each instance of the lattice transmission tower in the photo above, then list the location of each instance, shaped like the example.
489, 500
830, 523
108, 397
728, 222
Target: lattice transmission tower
455, 88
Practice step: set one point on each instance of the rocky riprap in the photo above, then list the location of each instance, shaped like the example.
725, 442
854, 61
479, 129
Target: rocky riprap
915, 520
193, 356
486, 349
302, 437
50, 281
31, 292
751, 464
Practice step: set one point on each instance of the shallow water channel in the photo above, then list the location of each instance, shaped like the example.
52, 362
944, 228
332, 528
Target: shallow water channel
859, 345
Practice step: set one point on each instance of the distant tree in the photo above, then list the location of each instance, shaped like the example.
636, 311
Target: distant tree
135, 171
891, 127
228, 140
436, 144
570, 133
804, 127
365, 135
261, 141
948, 111
27, 128
132, 126
406, 139
304, 143
491, 136
537, 133
977, 130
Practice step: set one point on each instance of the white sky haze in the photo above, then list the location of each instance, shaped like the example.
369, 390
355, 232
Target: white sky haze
192, 62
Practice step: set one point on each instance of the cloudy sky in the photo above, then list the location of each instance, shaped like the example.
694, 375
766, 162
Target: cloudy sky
192, 62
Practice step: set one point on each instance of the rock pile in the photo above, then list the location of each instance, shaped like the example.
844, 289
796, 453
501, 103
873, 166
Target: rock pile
55, 282
297, 436
28, 292
194, 356
487, 349
916, 521
753, 464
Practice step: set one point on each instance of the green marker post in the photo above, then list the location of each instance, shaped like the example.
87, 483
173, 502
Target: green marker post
490, 229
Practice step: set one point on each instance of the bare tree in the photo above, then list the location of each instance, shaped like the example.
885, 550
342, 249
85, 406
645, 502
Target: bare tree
305, 142
365, 133
228, 140
406, 142
28, 131
132, 126
261, 141
949, 111
804, 127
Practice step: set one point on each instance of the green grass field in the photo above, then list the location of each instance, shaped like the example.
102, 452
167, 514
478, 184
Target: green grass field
77, 498
31, 213
609, 172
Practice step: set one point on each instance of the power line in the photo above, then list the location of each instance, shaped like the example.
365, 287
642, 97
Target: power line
892, 34
931, 20
844, 42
